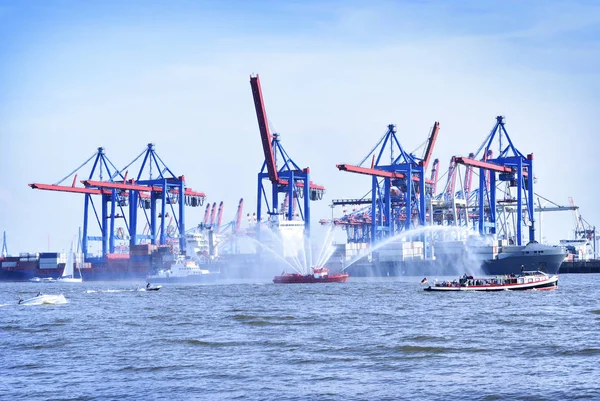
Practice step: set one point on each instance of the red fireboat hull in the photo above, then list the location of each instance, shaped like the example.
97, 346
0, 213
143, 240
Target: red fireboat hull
309, 278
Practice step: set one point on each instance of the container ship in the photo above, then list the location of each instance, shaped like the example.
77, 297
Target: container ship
139, 262
449, 258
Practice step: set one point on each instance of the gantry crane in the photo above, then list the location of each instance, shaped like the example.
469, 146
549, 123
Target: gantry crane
512, 167
406, 174
284, 175
154, 182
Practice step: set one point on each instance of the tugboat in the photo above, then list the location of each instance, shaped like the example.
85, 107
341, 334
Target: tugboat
319, 275
527, 280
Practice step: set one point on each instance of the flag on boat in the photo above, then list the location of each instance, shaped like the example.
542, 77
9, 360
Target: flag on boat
424, 281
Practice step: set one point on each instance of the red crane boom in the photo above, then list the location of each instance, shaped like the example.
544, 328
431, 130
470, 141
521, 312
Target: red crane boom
238, 217
207, 214
482, 164
263, 126
220, 216
375, 172
213, 213
430, 145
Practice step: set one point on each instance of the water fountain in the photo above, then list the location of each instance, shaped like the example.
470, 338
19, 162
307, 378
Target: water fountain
458, 260
290, 249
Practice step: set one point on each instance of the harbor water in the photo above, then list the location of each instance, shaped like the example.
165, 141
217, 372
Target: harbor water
380, 339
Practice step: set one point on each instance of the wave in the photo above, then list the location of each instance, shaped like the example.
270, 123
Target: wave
581, 352
115, 291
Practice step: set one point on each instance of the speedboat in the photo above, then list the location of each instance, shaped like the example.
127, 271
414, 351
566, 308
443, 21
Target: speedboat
527, 280
42, 280
153, 288
319, 275
44, 299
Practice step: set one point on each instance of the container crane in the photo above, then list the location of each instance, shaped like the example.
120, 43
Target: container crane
406, 172
154, 183
231, 230
286, 177
513, 167
116, 191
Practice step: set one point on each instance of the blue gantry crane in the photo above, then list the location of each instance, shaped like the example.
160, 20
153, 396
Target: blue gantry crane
398, 189
283, 174
154, 184
511, 166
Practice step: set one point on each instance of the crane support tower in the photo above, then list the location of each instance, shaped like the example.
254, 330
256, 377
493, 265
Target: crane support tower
281, 171
154, 183
511, 166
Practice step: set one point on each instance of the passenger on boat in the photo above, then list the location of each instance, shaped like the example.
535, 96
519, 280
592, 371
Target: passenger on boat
148, 285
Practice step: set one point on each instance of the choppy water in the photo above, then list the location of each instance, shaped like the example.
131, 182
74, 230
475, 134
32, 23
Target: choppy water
366, 339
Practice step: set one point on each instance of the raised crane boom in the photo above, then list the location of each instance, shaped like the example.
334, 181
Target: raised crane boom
430, 145
219, 216
238, 216
263, 126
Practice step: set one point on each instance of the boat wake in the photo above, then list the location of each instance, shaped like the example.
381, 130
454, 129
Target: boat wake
113, 291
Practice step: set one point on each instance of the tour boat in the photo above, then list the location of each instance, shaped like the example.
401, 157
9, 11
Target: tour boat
527, 280
319, 275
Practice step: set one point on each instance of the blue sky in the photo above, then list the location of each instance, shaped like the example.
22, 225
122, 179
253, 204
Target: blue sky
78, 75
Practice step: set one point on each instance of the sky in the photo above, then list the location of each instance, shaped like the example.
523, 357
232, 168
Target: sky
76, 76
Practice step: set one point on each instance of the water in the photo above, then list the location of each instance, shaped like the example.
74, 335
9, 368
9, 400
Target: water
366, 339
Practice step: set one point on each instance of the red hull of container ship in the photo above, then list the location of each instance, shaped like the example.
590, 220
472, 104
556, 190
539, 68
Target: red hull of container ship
136, 265
319, 275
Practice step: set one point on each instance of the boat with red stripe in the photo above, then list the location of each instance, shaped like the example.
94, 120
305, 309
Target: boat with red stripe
527, 280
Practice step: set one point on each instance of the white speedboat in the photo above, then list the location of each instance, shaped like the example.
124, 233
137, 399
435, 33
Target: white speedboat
44, 299
527, 280
42, 280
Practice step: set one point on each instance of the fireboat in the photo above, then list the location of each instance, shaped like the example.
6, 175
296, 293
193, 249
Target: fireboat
319, 275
